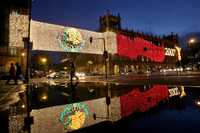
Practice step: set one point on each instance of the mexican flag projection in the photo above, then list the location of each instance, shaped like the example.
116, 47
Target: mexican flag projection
136, 47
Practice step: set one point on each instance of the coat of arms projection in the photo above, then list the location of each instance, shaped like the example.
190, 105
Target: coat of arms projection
70, 40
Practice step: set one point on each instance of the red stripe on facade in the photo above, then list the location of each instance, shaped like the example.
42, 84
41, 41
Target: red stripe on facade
135, 47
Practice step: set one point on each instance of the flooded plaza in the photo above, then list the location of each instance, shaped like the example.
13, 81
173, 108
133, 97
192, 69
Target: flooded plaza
103, 107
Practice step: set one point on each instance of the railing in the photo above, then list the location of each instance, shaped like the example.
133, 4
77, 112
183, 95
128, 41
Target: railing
10, 51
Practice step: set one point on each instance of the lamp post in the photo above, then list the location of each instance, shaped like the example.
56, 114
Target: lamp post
191, 45
108, 103
105, 53
28, 45
22, 61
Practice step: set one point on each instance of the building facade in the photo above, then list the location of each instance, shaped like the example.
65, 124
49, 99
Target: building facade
13, 28
54, 46
128, 51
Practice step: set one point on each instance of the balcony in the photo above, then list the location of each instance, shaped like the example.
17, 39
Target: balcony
10, 51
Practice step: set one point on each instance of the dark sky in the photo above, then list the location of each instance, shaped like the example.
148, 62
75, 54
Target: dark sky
156, 16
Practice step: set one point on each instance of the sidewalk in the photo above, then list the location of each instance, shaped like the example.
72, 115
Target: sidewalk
9, 94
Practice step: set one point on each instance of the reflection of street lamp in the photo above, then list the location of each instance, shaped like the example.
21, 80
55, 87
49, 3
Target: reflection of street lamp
44, 97
108, 102
105, 53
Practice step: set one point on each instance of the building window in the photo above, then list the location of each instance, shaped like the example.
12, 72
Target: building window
13, 51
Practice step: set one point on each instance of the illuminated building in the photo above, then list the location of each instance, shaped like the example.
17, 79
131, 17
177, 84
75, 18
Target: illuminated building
13, 27
143, 48
128, 50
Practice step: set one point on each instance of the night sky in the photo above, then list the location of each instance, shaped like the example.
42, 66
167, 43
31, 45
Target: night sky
152, 16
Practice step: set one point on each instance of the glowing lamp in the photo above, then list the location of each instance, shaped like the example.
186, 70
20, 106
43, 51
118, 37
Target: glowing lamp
192, 40
23, 54
44, 97
43, 60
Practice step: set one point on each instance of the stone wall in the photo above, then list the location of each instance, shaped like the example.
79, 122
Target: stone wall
18, 29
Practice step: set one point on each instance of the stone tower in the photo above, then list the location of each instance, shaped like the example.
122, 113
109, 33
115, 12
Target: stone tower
110, 22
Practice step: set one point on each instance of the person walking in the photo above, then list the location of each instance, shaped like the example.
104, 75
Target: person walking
72, 71
12, 74
19, 72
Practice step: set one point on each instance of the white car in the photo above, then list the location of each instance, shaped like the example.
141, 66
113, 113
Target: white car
80, 75
52, 75
188, 68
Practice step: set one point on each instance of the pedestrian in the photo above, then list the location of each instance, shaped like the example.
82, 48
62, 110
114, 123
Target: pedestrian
72, 71
19, 74
12, 74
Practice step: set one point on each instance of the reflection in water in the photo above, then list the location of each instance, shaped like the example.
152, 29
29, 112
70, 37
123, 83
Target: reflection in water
142, 101
62, 109
44, 97
78, 111
74, 115
17, 113
183, 94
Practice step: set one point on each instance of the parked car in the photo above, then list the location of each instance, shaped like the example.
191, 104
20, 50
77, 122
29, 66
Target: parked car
60, 74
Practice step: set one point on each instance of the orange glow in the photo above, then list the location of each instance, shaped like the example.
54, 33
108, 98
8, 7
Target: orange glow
179, 52
43, 60
192, 40
23, 54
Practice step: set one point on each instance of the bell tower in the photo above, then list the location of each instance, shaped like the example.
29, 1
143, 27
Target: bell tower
110, 22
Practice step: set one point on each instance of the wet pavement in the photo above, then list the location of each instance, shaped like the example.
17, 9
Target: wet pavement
9, 94
102, 107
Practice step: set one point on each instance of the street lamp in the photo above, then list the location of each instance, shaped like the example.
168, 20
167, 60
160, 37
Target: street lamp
28, 120
43, 60
22, 54
105, 53
191, 45
22, 61
192, 40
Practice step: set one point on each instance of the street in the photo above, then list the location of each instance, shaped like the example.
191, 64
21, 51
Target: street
189, 78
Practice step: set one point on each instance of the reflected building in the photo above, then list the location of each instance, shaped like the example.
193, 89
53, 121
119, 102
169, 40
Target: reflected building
62, 115
54, 110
